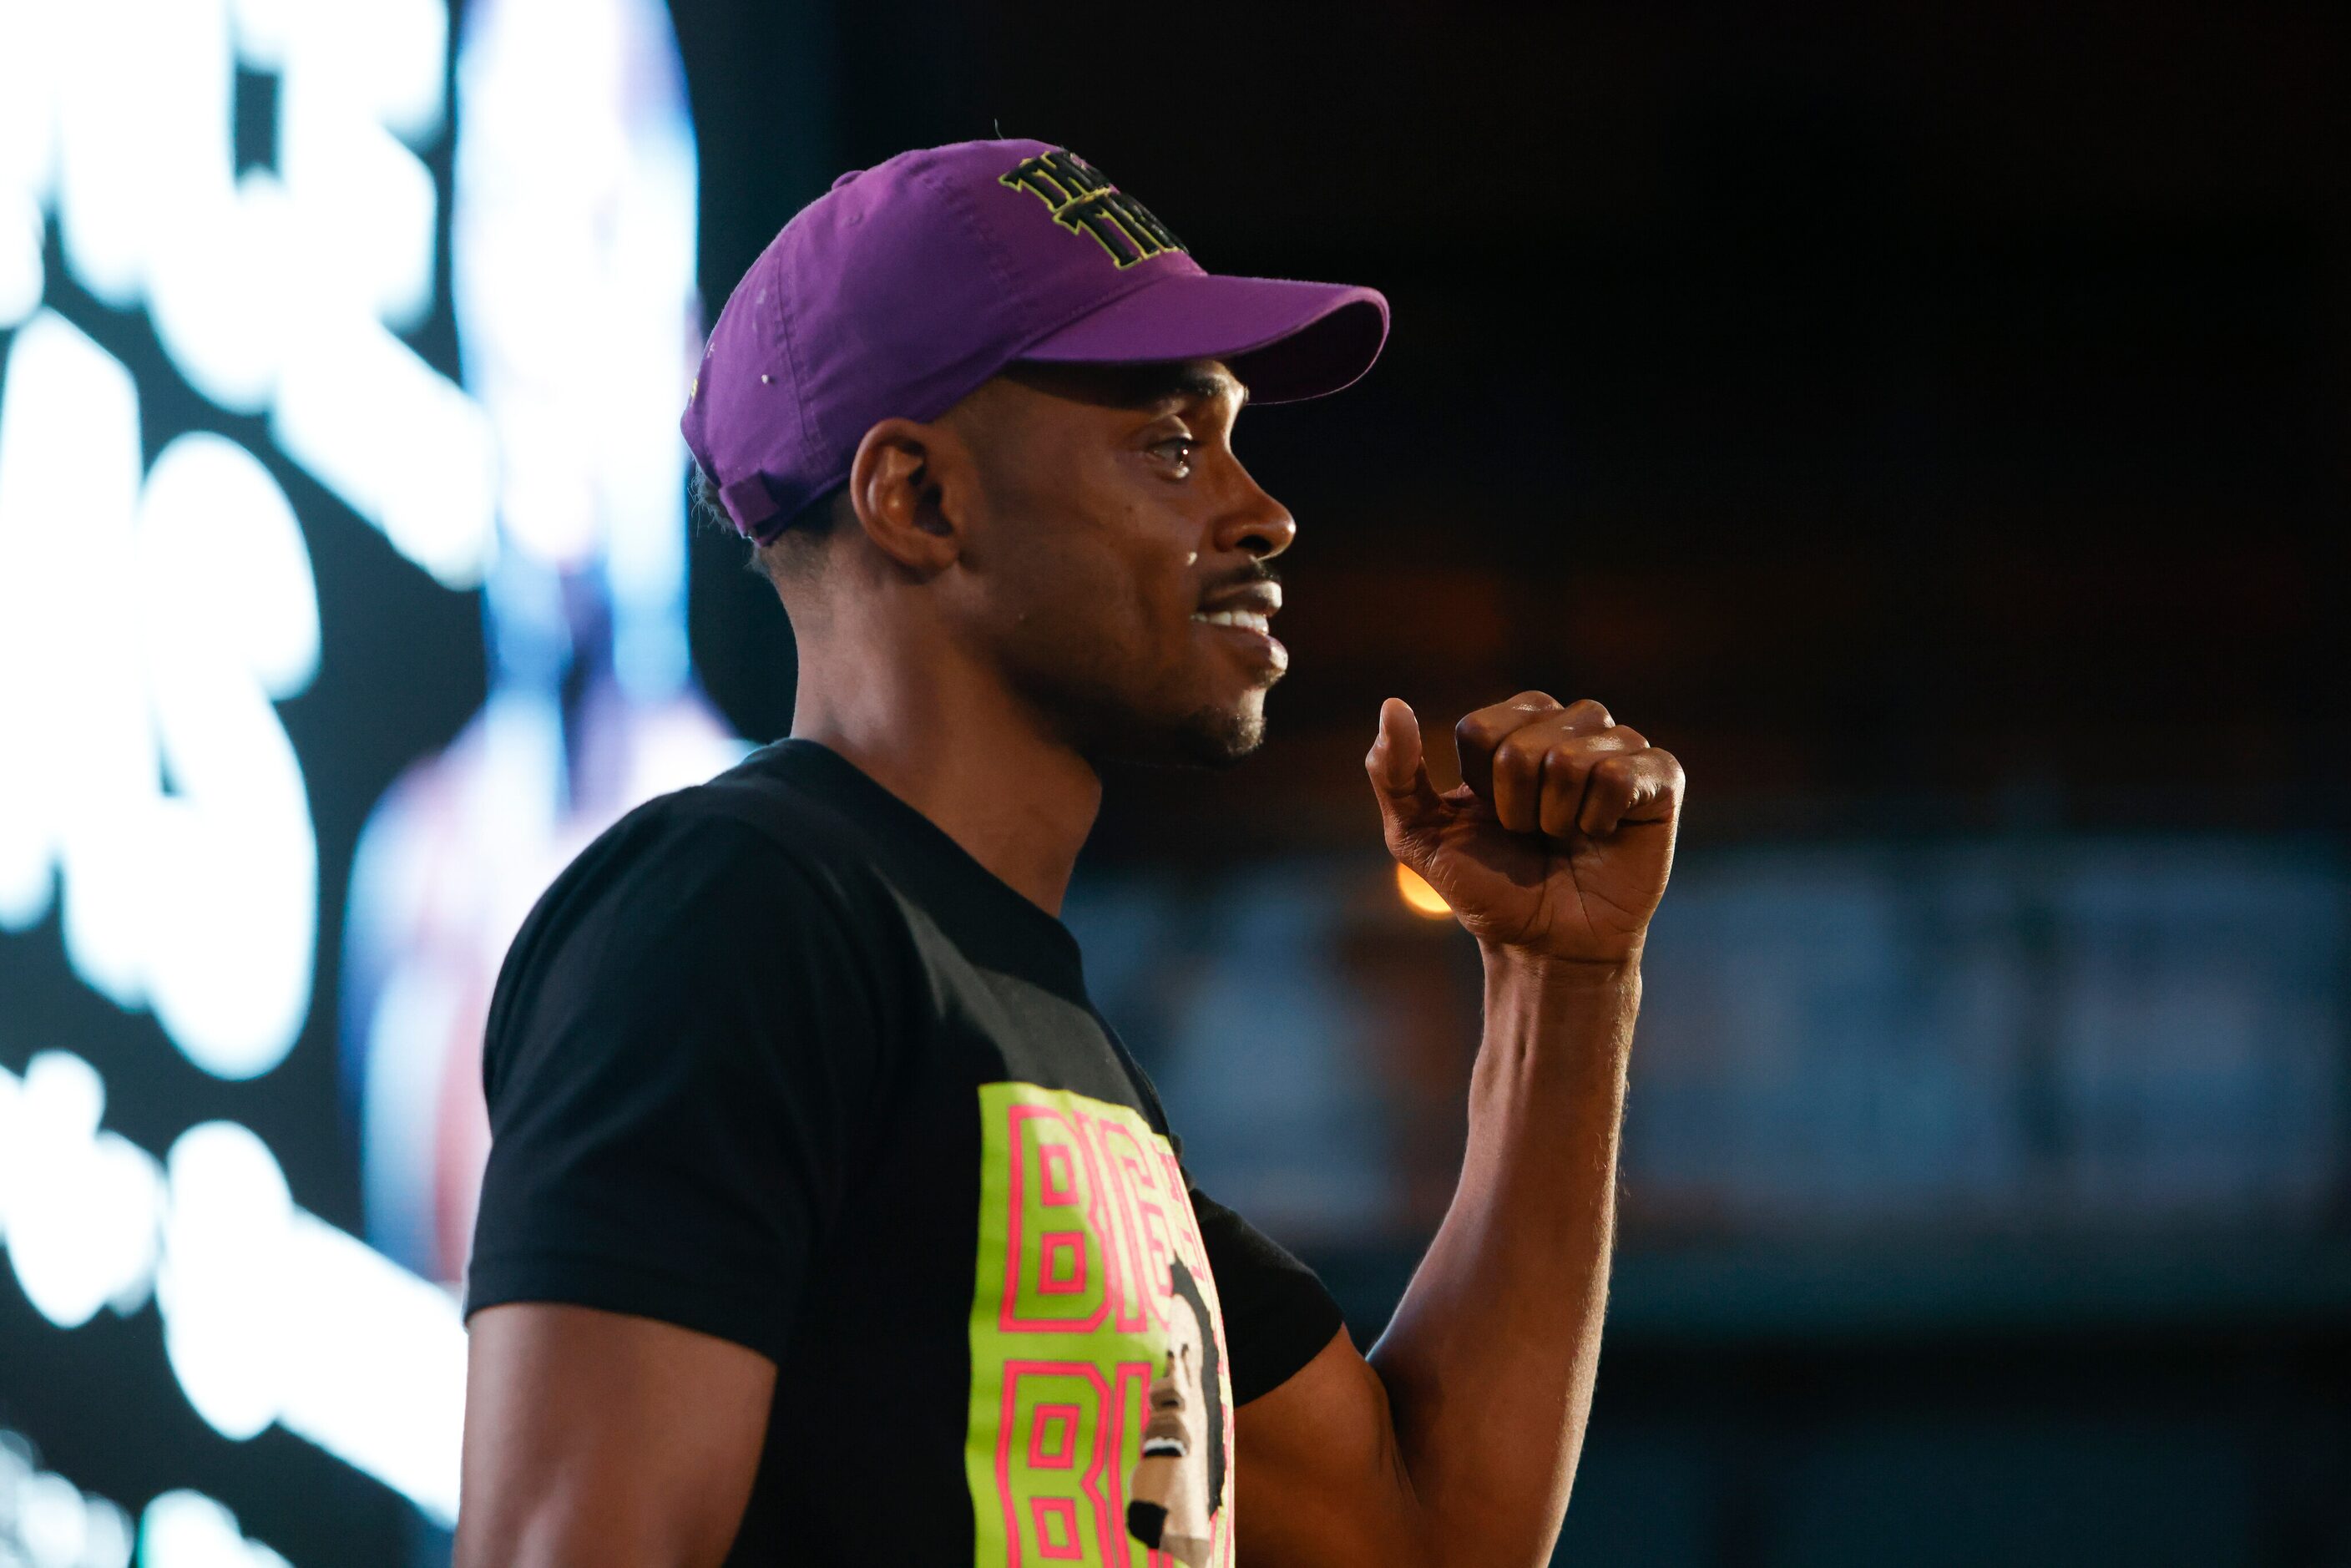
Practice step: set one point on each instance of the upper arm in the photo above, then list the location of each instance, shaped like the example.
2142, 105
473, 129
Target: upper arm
592, 1437
678, 1071
1319, 1478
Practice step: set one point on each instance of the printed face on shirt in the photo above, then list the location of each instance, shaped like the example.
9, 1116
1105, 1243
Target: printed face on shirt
1101, 1402
1174, 1493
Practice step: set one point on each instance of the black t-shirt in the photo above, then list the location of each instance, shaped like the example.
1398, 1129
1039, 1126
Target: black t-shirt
774, 1059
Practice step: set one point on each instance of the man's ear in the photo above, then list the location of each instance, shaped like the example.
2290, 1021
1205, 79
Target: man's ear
907, 485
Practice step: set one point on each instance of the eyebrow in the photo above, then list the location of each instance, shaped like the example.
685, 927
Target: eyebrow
1144, 387
1188, 385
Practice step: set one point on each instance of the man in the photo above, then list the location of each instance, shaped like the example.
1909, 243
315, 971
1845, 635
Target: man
1179, 1482
826, 1220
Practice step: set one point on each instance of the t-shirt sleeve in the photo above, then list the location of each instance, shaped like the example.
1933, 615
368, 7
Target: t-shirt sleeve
1278, 1315
681, 1062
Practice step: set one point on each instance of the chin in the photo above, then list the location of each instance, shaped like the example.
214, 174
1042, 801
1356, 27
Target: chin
1218, 737
1204, 737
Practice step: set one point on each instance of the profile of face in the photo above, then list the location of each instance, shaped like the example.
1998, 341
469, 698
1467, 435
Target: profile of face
1179, 1483
1124, 557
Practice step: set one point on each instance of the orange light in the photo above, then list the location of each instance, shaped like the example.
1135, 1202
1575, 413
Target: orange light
1418, 896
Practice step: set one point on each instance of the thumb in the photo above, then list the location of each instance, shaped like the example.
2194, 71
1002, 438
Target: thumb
1410, 809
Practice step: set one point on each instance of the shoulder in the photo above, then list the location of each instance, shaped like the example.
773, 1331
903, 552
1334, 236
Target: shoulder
749, 836
728, 876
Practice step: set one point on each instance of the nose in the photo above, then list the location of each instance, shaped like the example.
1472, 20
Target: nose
1255, 522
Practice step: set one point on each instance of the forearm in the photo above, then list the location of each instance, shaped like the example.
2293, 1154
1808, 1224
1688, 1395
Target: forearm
1489, 1360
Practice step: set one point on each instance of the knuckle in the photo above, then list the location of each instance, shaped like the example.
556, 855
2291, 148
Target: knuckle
1590, 710
1521, 751
1577, 755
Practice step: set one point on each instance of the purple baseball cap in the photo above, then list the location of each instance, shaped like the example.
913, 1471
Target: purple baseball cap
906, 286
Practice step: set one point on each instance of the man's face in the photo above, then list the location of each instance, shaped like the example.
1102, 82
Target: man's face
1171, 1479
1176, 1427
1121, 551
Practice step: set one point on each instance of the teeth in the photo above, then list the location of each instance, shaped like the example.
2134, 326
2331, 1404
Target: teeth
1249, 620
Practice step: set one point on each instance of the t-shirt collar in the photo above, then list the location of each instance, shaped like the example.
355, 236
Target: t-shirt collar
932, 857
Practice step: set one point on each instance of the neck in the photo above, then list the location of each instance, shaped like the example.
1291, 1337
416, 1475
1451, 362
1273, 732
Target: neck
954, 744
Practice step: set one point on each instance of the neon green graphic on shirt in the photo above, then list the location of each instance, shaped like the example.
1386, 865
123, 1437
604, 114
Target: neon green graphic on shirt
1082, 1210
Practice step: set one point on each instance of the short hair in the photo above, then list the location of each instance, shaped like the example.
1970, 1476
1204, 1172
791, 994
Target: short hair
791, 548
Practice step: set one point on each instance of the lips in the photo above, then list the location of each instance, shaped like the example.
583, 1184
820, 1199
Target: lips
1250, 606
1246, 620
1246, 608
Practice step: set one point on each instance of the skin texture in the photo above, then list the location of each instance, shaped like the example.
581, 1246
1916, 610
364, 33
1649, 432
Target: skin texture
1013, 606
1010, 606
1455, 1441
594, 1439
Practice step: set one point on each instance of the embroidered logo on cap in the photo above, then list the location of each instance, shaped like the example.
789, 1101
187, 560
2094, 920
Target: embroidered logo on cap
1083, 201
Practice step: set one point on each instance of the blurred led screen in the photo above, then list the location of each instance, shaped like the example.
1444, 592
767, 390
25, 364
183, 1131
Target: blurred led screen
343, 599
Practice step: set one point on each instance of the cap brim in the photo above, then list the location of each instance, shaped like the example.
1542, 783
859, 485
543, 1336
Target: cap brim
1285, 339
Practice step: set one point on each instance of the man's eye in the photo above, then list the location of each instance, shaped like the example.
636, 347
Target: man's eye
1177, 450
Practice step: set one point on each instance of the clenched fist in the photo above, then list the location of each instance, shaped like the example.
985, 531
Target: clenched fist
1558, 840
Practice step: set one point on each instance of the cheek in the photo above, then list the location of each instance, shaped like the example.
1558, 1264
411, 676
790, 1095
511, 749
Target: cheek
1105, 584
1138, 600
1161, 599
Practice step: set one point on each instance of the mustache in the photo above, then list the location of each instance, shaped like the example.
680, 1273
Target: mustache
1256, 572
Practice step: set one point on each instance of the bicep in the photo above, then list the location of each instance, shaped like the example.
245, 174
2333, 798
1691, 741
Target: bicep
1319, 1478
596, 1437
682, 1066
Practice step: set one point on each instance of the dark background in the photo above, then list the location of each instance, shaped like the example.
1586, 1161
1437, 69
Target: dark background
1925, 421
1889, 406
